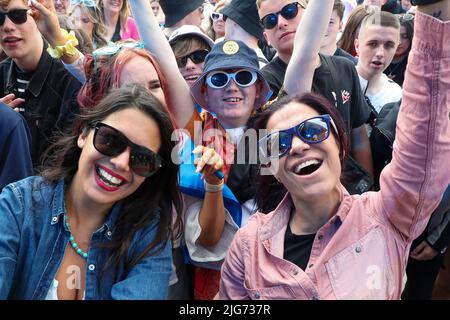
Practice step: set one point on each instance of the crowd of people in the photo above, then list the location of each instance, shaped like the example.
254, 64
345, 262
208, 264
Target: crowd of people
232, 149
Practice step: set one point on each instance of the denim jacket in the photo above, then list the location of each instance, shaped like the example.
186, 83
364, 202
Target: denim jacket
33, 239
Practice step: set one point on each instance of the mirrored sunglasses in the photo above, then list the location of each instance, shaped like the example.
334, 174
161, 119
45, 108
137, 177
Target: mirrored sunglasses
111, 142
310, 131
220, 79
289, 11
17, 16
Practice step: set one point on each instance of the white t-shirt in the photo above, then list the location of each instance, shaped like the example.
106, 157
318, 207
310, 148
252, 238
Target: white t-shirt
390, 92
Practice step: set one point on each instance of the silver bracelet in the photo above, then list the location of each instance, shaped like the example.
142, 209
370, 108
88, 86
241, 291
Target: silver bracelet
213, 187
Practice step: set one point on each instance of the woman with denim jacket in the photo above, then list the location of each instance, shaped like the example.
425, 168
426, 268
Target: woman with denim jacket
322, 243
98, 223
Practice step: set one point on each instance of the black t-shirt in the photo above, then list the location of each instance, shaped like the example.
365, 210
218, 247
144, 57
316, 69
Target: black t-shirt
297, 248
22, 81
340, 87
116, 36
396, 71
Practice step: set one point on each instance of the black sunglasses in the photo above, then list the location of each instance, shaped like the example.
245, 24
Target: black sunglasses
196, 57
111, 142
17, 16
288, 12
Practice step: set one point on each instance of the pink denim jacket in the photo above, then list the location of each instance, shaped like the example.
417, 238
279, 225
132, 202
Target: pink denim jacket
361, 252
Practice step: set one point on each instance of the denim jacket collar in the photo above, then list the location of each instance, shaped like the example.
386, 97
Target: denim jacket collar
58, 209
58, 203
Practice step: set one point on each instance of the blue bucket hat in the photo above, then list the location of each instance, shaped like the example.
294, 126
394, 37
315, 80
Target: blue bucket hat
231, 54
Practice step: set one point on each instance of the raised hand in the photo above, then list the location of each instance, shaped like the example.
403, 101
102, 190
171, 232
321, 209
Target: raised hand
44, 13
209, 162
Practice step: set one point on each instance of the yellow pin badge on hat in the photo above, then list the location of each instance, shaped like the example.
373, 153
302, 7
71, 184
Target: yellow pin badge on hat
230, 47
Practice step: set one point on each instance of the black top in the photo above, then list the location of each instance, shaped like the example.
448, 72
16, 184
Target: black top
50, 99
22, 81
342, 53
336, 79
116, 36
396, 71
297, 248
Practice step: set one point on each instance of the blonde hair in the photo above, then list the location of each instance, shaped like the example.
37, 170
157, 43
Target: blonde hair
123, 16
99, 30
210, 32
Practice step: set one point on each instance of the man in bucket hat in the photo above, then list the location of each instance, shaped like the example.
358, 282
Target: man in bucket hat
230, 89
232, 102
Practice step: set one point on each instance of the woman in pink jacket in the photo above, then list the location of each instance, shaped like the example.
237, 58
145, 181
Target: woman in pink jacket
322, 243
119, 24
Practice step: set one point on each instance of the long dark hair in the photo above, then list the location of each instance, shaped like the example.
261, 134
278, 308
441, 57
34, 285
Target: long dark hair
157, 195
269, 191
407, 21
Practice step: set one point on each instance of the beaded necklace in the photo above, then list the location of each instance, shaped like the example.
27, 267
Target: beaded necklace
73, 244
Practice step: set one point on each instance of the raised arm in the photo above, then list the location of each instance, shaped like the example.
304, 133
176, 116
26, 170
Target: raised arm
44, 13
181, 104
308, 38
414, 182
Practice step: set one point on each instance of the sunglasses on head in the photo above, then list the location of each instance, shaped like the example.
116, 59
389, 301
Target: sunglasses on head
113, 48
288, 12
196, 57
405, 17
111, 142
310, 131
87, 3
220, 79
17, 16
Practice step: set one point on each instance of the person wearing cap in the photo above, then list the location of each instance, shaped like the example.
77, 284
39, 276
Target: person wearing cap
190, 46
242, 23
181, 12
